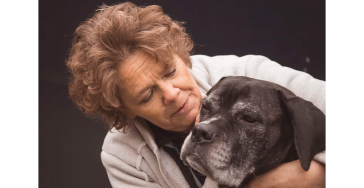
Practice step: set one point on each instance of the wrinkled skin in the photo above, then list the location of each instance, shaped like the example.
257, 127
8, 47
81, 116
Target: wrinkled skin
245, 130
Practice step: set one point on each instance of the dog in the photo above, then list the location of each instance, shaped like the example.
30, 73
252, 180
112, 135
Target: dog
248, 127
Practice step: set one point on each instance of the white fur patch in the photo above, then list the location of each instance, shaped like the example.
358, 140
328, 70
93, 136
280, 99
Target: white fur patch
210, 120
186, 142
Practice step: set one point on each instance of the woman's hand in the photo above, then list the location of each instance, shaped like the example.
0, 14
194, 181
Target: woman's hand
290, 175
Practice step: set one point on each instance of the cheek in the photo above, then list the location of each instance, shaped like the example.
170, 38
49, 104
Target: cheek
149, 112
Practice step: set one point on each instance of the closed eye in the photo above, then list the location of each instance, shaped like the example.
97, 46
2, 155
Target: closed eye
149, 96
249, 119
171, 73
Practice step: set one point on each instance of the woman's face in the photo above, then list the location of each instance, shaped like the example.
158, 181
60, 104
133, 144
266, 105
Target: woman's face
169, 98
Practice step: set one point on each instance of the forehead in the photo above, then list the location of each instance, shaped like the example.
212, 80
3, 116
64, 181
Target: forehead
138, 61
241, 92
248, 96
139, 65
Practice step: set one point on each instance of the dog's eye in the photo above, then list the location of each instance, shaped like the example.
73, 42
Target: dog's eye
249, 119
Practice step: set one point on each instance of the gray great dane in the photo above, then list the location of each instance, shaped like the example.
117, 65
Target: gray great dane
248, 127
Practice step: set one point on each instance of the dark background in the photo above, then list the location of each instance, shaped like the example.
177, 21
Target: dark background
291, 33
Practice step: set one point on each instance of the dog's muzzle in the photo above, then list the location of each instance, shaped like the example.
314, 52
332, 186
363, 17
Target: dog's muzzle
203, 132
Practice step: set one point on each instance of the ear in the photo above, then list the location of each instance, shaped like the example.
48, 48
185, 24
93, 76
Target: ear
127, 112
309, 128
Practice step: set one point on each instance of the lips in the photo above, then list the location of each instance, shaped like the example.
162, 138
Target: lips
182, 108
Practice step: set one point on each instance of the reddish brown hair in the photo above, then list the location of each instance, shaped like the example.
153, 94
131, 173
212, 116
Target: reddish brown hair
104, 41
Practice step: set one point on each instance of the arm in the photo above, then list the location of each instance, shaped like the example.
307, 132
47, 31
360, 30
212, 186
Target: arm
291, 175
123, 175
300, 83
210, 70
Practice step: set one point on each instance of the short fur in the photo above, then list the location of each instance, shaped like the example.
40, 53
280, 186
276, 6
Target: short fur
249, 127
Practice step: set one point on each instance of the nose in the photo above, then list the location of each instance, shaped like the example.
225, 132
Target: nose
170, 93
203, 132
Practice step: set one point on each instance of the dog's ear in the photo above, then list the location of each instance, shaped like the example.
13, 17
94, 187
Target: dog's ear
309, 128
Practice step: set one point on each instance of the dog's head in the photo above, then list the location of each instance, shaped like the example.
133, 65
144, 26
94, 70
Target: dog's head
248, 126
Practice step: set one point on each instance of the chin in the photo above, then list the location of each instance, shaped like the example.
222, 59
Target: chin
187, 126
186, 129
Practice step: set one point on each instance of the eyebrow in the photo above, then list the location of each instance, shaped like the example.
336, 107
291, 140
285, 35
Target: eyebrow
245, 107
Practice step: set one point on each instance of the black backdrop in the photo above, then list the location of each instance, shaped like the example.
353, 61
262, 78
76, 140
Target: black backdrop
291, 33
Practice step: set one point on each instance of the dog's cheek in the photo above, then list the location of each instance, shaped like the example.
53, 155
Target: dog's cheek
216, 154
187, 147
252, 142
220, 164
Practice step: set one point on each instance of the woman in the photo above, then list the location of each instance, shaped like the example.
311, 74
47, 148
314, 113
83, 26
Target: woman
131, 66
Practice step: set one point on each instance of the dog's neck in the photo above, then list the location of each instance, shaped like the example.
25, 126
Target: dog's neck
272, 160
280, 155
283, 151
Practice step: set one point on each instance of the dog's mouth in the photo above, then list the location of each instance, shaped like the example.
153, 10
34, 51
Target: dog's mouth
194, 161
215, 166
190, 157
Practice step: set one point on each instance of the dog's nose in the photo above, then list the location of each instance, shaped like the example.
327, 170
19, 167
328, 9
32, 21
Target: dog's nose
202, 133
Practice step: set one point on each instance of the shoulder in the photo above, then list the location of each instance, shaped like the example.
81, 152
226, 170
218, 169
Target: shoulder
126, 156
211, 64
119, 143
200, 59
212, 69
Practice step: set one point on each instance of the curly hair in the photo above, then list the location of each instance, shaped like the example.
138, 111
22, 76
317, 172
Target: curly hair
104, 41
